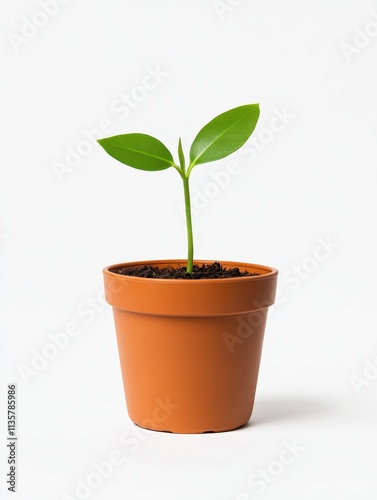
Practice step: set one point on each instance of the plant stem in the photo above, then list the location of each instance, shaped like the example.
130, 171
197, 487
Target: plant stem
190, 240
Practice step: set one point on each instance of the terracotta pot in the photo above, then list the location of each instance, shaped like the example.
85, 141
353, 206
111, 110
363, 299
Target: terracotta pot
190, 349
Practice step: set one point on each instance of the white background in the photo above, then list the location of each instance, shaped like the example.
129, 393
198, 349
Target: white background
312, 180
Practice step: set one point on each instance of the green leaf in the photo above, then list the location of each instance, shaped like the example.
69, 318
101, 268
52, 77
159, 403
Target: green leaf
181, 156
140, 151
224, 134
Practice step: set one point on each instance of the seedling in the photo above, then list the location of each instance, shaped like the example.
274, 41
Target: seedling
219, 138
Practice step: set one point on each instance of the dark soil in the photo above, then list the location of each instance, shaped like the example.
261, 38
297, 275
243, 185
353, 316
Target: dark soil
204, 271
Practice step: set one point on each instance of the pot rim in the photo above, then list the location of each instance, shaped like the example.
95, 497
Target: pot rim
267, 271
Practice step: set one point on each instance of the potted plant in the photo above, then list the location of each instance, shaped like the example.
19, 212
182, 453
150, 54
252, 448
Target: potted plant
189, 332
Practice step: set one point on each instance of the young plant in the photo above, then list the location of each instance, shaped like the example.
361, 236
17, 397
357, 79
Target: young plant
219, 138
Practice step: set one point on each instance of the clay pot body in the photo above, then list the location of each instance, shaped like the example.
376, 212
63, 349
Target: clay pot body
190, 349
